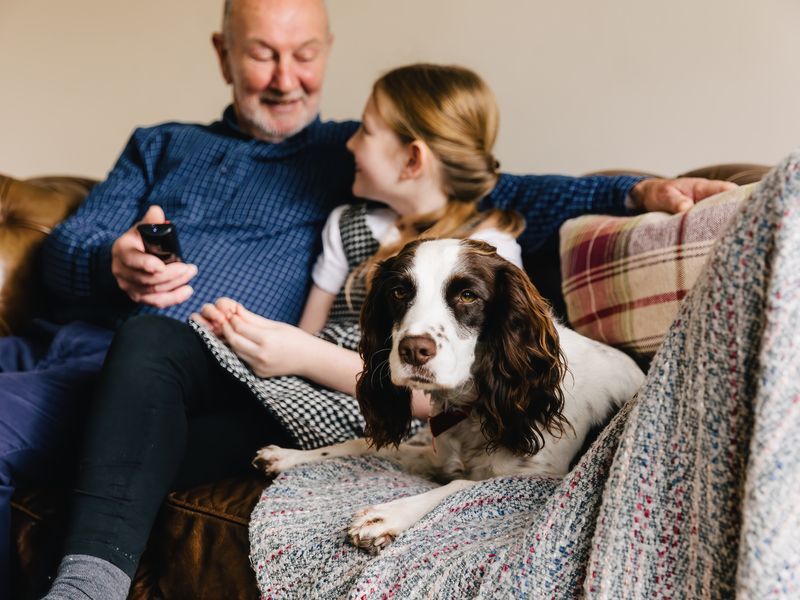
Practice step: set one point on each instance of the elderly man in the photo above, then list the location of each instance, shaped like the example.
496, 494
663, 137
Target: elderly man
249, 194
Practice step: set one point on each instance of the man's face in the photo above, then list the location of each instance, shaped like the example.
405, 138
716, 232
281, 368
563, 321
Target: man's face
274, 54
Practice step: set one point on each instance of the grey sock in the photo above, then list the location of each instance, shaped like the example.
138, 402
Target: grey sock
84, 577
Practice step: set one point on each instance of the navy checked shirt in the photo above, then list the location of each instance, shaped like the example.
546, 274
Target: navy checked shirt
249, 214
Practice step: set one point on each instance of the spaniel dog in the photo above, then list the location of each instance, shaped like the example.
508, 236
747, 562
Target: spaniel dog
513, 392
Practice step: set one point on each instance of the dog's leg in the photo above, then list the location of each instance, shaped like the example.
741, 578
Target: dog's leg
274, 459
417, 460
373, 528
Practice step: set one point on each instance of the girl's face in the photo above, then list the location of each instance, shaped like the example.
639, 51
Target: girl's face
380, 158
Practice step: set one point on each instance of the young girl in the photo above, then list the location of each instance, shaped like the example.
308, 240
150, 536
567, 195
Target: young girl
424, 151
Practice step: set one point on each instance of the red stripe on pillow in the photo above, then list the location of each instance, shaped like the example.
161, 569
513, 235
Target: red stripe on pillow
595, 275
607, 311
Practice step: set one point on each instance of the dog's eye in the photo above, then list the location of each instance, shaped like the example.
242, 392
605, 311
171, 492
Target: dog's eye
468, 296
399, 293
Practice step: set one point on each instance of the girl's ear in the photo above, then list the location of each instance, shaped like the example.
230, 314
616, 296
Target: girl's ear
417, 157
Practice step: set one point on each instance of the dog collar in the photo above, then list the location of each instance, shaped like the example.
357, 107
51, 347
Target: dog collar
447, 419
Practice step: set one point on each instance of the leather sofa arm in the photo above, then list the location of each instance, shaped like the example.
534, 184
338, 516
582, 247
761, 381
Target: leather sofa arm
28, 212
739, 173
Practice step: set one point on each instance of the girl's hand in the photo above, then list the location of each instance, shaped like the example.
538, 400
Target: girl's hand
270, 348
212, 317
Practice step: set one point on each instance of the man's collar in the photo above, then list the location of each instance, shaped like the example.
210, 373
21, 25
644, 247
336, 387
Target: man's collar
230, 121
287, 146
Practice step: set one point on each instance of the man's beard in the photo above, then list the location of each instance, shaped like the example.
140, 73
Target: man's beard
260, 126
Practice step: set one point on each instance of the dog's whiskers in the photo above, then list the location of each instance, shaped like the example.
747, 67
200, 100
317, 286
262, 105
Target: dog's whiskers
381, 366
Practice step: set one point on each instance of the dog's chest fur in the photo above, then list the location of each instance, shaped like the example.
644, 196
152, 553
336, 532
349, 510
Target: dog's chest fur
461, 454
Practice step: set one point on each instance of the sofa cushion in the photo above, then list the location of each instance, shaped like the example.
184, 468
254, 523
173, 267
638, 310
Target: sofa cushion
28, 211
623, 278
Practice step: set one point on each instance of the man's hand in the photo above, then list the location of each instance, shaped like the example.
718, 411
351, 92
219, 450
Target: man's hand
675, 195
144, 277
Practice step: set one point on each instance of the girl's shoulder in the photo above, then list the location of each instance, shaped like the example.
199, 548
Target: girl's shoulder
372, 210
379, 218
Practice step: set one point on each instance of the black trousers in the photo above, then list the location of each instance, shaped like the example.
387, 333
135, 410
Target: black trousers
165, 416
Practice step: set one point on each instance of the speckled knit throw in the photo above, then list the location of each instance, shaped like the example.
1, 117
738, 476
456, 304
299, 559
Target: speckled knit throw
692, 491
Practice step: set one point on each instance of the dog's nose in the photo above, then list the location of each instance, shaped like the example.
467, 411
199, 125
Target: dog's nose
417, 349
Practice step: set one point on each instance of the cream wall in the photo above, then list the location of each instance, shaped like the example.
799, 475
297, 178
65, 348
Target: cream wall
582, 85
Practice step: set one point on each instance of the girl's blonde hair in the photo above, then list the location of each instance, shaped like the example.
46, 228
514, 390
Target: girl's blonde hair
453, 112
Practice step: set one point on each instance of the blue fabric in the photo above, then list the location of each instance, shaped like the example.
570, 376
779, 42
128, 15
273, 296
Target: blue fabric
248, 214
45, 384
546, 201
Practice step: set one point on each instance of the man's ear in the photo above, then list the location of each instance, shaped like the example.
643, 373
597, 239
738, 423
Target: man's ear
218, 40
416, 160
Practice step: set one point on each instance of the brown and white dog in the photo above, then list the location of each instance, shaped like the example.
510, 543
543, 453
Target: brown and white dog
513, 392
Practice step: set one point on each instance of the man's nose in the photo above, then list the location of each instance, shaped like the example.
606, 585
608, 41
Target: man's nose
284, 78
416, 350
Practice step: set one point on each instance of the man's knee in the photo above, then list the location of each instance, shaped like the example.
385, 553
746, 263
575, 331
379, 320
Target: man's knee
154, 348
151, 328
153, 334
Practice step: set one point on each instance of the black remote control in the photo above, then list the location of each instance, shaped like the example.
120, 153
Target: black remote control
161, 240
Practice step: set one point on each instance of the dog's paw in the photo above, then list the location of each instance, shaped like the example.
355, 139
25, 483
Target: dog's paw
272, 460
375, 527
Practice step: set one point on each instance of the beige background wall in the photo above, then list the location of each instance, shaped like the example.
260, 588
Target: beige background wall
582, 85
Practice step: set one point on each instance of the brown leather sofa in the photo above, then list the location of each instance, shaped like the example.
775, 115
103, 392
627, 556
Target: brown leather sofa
199, 546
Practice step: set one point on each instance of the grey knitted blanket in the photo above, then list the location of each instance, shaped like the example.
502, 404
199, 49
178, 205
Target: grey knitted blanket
692, 491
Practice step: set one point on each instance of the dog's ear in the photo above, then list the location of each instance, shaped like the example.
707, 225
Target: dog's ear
519, 366
385, 406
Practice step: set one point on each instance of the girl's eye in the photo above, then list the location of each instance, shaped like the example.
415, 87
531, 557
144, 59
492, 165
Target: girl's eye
468, 296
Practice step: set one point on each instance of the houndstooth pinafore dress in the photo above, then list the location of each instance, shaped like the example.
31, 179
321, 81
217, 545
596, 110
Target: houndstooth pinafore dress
314, 415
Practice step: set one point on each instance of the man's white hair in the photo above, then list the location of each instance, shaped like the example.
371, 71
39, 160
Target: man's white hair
226, 14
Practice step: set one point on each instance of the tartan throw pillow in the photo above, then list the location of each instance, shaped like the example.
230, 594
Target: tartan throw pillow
623, 278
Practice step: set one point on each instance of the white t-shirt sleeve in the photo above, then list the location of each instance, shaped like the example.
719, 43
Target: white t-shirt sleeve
506, 244
331, 269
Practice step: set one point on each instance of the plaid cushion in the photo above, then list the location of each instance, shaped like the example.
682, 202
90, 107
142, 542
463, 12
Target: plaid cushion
623, 278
